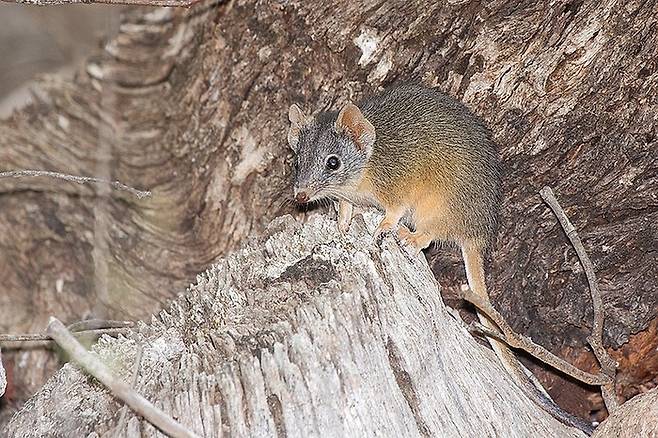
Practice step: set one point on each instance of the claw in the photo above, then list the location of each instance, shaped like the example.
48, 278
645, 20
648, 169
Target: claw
388, 224
343, 225
383, 229
409, 241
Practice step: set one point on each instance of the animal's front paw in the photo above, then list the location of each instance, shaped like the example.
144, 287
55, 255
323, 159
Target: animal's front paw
344, 216
389, 224
409, 241
383, 229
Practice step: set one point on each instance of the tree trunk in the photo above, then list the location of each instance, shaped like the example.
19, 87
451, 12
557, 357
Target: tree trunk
192, 104
302, 334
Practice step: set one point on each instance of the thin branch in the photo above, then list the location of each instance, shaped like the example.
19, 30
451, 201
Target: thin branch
96, 368
89, 327
96, 324
595, 340
515, 340
140, 194
174, 3
478, 329
31, 337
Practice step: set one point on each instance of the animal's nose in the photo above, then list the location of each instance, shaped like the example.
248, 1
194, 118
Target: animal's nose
301, 197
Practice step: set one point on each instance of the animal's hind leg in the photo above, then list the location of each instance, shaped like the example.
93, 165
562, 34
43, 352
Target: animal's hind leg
431, 219
430, 226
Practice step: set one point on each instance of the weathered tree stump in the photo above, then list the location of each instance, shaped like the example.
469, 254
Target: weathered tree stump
302, 333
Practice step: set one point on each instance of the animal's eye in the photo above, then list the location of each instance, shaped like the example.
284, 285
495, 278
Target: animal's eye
333, 162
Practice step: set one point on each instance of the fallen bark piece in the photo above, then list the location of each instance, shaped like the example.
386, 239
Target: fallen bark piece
301, 333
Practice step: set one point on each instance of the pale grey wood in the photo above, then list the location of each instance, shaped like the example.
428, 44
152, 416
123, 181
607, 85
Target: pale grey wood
302, 333
3, 376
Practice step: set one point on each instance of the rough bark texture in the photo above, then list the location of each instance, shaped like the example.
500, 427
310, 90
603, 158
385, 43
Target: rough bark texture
301, 334
192, 104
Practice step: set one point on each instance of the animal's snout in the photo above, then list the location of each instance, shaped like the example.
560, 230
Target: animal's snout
301, 197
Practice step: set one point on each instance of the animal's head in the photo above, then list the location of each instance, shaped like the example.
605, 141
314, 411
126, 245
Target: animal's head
331, 151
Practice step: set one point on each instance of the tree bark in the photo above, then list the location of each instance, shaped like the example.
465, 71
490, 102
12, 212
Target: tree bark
192, 105
302, 333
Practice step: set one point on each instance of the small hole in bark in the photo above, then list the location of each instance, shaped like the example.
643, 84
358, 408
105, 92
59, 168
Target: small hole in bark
644, 72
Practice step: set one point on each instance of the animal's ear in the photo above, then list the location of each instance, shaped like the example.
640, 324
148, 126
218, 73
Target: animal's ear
296, 116
297, 122
352, 122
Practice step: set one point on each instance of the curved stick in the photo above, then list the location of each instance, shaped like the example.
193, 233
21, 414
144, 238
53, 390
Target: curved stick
595, 340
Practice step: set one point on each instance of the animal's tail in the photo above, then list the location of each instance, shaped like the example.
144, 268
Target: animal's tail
474, 264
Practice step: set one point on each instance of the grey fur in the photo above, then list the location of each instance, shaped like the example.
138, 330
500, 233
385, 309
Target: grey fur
319, 140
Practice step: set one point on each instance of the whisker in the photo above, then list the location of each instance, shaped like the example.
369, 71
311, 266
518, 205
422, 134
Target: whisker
338, 195
283, 203
322, 202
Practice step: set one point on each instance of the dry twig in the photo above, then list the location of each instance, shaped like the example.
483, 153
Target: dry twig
140, 194
595, 340
97, 324
33, 337
174, 3
476, 328
514, 340
96, 368
90, 327
606, 379
133, 385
